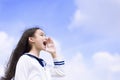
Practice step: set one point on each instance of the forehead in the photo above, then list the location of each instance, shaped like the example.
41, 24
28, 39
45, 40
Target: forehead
40, 31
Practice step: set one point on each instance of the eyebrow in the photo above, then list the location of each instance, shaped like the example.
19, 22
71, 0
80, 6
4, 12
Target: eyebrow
42, 33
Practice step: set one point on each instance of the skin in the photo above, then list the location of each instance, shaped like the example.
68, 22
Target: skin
37, 44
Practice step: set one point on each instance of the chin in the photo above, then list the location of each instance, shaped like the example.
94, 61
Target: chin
43, 49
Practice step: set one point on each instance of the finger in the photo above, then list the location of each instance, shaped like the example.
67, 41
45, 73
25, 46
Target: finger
50, 40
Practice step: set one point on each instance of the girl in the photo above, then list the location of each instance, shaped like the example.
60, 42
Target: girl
25, 64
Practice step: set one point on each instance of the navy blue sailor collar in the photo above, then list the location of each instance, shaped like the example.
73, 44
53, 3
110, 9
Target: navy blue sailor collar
40, 60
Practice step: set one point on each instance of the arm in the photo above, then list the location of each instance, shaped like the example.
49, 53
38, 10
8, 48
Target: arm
57, 70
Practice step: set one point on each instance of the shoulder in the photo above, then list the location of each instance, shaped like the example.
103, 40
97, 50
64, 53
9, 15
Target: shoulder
26, 60
23, 61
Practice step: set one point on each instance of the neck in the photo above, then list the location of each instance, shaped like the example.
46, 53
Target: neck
35, 52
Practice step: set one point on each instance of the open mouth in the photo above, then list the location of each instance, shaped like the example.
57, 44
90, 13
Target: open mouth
45, 43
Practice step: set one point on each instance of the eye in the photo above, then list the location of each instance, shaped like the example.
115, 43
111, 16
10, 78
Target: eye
42, 35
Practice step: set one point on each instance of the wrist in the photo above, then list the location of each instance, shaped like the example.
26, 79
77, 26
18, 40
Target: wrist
54, 55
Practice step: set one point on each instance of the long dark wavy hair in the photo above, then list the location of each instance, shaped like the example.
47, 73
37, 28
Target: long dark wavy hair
22, 47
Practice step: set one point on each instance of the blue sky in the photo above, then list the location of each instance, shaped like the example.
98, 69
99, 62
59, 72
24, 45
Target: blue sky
81, 27
97, 30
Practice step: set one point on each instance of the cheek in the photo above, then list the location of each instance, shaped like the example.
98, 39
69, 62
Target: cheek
39, 42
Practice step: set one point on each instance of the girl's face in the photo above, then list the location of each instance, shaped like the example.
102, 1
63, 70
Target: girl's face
39, 40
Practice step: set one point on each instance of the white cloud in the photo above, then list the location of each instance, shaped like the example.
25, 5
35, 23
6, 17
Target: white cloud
77, 19
6, 46
102, 66
107, 61
76, 69
1, 70
97, 17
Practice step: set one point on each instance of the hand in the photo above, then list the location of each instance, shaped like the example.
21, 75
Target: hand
50, 47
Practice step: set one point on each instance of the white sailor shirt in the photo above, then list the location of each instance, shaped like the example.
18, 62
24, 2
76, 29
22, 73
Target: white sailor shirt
30, 67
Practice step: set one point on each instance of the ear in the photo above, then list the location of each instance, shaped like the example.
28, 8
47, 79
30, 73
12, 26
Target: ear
31, 39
